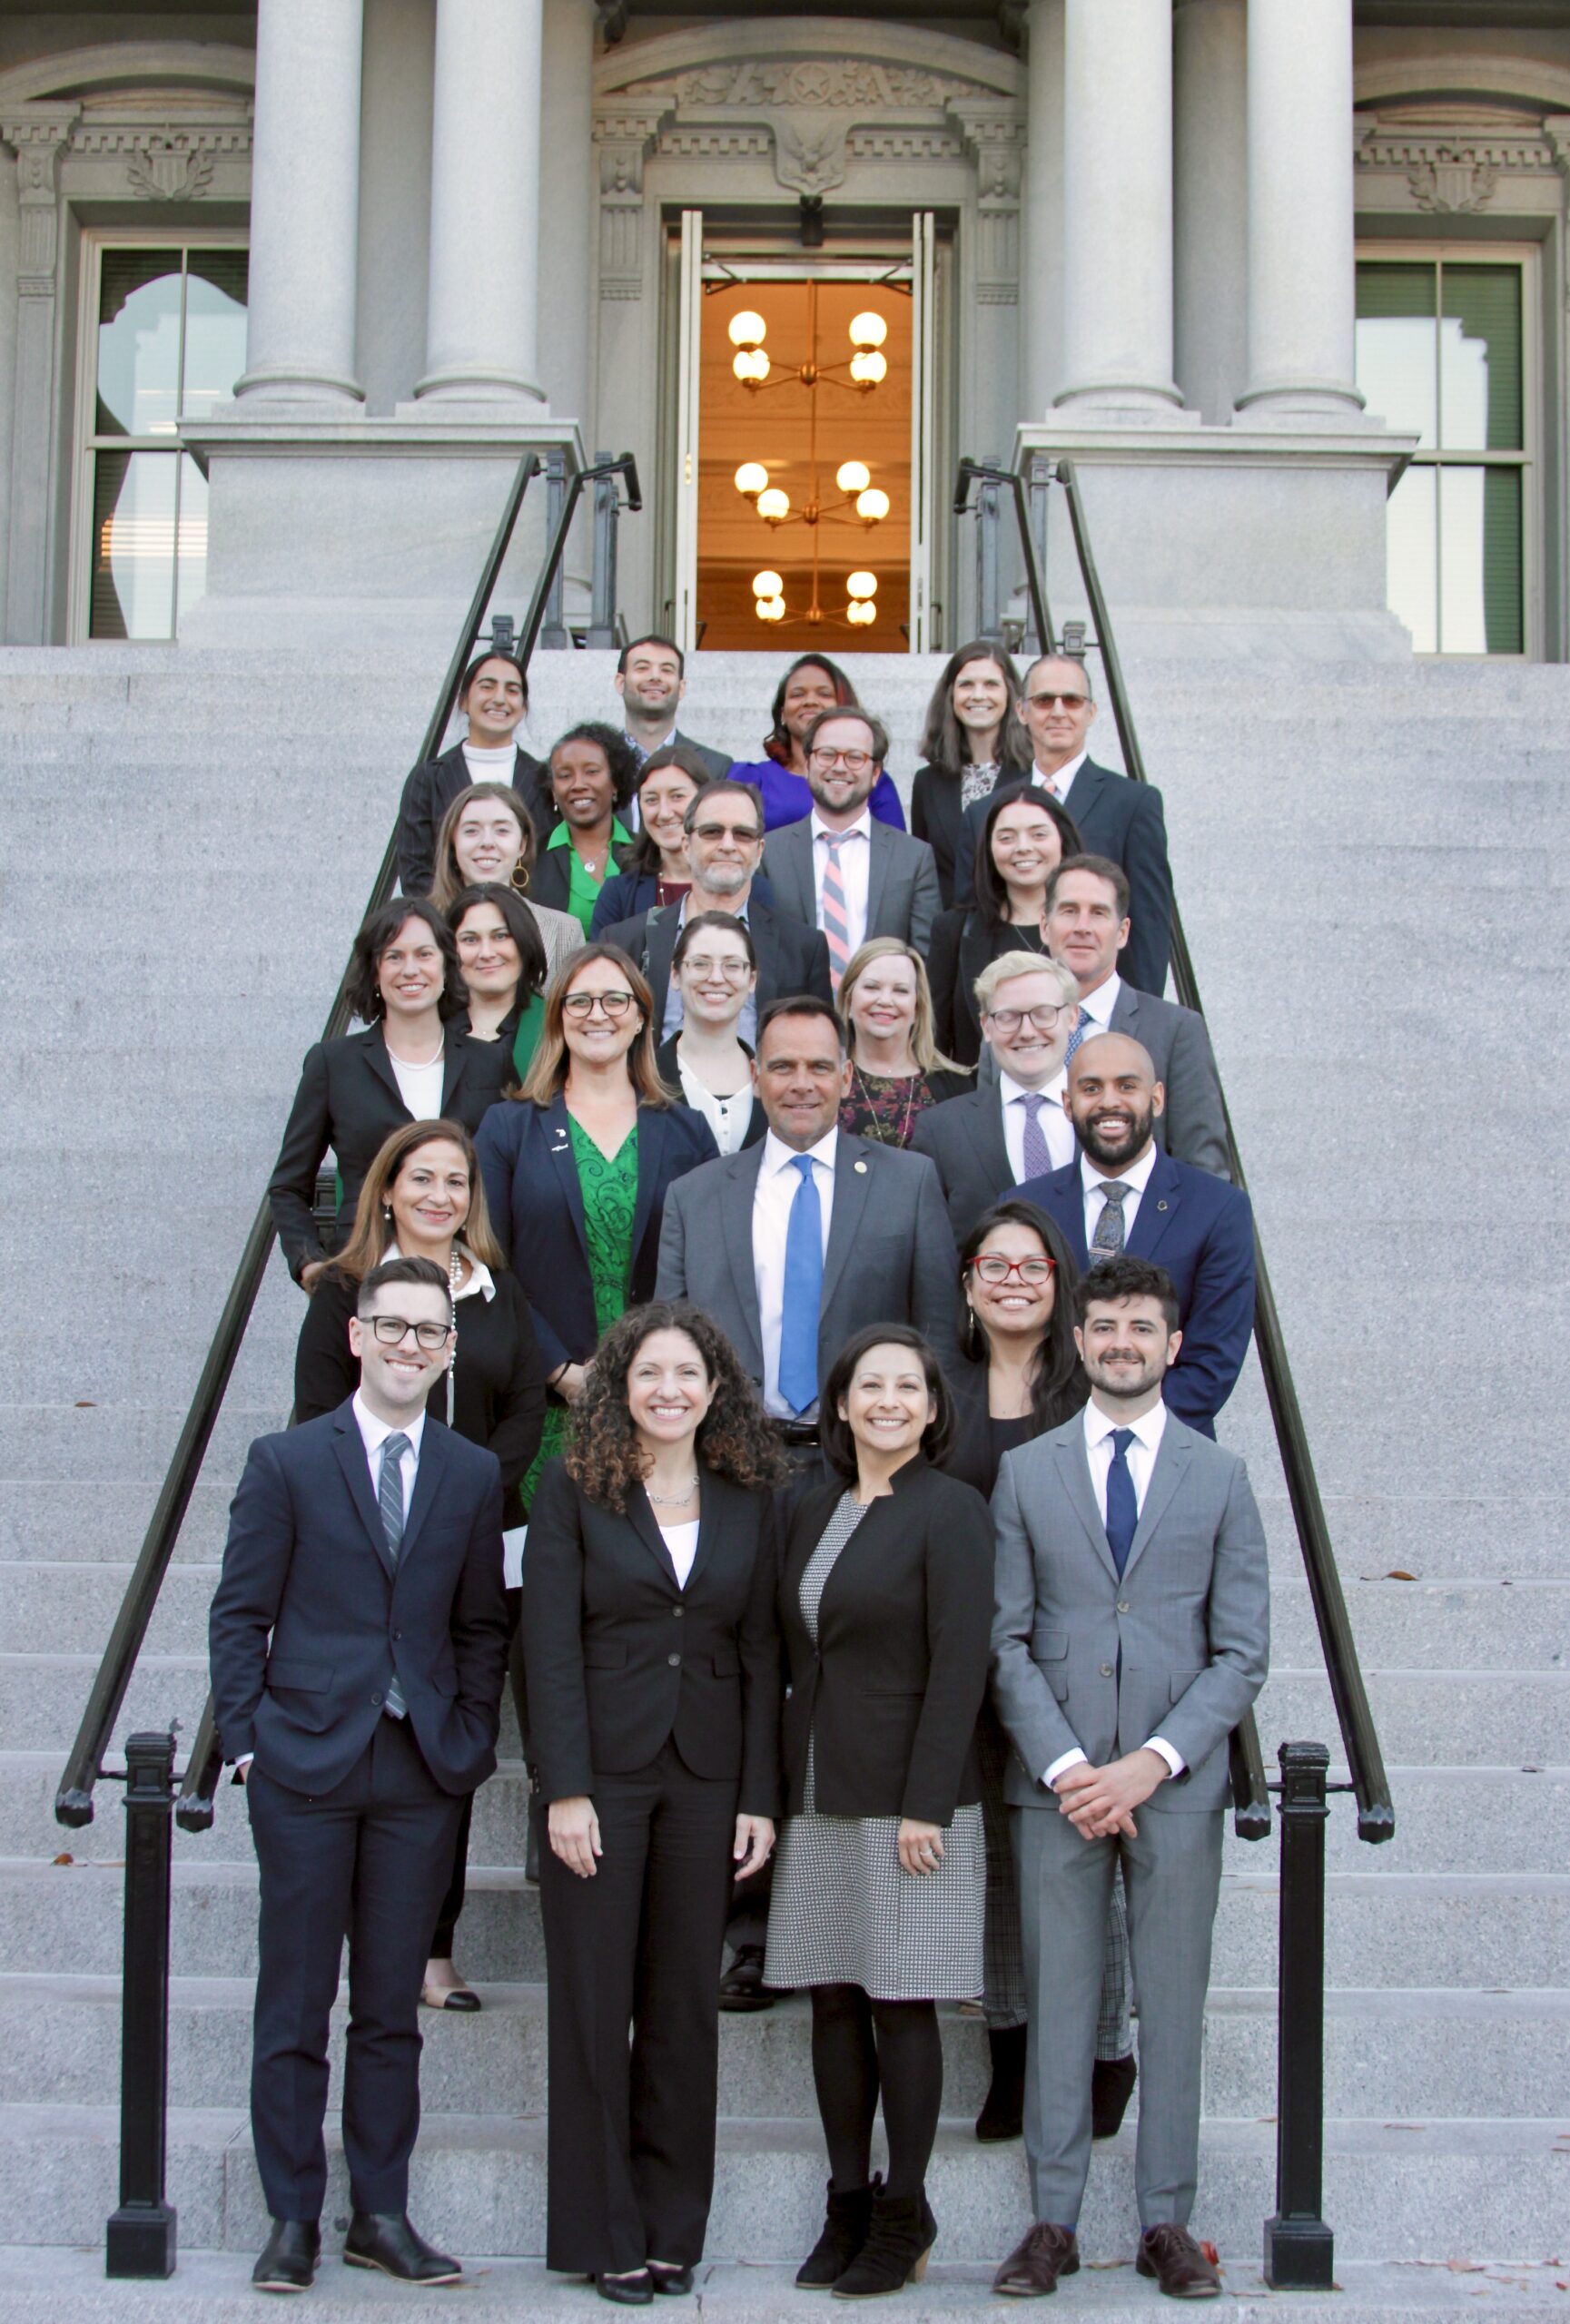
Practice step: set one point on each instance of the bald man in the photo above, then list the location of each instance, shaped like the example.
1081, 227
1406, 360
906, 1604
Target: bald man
1114, 816
1121, 1193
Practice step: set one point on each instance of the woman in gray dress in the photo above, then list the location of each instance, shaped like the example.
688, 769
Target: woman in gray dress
884, 1607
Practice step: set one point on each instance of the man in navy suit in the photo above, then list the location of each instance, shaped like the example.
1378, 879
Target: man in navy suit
1124, 1193
358, 1640
1113, 815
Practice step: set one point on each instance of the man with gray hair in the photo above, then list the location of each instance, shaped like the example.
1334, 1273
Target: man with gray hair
1012, 1126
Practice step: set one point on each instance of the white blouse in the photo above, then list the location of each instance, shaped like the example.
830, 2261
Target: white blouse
729, 1118
681, 1541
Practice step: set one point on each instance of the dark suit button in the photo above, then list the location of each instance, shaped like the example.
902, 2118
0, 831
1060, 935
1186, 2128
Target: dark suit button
675, 1661
677, 1612
1106, 1669
376, 1702
1122, 1605
396, 1636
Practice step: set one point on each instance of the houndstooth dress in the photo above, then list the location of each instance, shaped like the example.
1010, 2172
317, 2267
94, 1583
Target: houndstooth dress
842, 1910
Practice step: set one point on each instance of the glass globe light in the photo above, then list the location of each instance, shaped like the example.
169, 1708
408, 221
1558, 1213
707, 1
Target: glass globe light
868, 329
773, 506
853, 476
873, 505
751, 370
862, 614
770, 609
863, 585
747, 329
867, 370
751, 478
766, 585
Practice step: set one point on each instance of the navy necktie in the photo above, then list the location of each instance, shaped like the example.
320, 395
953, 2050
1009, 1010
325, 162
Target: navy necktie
1123, 1506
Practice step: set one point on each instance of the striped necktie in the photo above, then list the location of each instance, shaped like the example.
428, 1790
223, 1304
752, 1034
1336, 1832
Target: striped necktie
389, 1497
837, 925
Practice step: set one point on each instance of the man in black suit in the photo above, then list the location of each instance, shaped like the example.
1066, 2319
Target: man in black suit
651, 679
493, 698
1086, 927
1113, 815
358, 1639
723, 847
1012, 1124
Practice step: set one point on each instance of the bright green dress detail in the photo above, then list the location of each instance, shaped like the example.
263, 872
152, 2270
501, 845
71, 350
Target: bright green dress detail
582, 887
610, 1192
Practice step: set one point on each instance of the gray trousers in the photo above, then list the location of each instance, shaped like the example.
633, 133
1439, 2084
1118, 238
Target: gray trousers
1172, 1877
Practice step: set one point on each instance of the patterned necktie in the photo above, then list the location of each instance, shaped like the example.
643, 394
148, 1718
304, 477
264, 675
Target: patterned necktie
1109, 1239
1122, 1504
1037, 1159
1077, 1036
837, 925
804, 1287
389, 1495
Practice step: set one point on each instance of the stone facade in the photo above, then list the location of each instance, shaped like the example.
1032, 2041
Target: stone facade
1147, 215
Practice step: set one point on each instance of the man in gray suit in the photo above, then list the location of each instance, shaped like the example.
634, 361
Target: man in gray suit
1131, 1634
1029, 1008
842, 870
1086, 920
731, 1243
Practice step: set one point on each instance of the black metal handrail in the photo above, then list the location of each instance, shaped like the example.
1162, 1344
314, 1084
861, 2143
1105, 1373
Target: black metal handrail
1365, 1759
74, 1799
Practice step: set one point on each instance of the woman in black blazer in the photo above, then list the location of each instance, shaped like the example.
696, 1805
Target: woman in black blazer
423, 1199
971, 740
415, 1063
576, 1165
1025, 836
592, 773
494, 701
654, 1682
886, 1609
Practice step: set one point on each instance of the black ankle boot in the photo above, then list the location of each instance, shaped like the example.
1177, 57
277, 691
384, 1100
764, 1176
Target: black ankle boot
1003, 2115
844, 2231
895, 2252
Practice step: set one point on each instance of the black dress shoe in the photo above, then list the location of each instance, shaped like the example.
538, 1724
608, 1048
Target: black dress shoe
1182, 2268
289, 2262
386, 2239
672, 2281
1112, 2083
628, 2291
742, 1986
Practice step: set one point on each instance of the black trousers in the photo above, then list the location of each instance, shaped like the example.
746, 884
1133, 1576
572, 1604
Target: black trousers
631, 2133
368, 1860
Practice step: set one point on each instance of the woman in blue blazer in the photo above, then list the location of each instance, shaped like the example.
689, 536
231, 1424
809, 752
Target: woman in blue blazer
576, 1167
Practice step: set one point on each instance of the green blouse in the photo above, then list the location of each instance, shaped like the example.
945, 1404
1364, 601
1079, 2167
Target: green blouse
583, 888
609, 1190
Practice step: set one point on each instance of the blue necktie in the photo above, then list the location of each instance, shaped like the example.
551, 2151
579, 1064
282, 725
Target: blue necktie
804, 1287
1122, 1507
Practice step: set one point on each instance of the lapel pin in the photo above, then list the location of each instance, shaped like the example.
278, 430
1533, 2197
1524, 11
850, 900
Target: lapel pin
1162, 1205
861, 1169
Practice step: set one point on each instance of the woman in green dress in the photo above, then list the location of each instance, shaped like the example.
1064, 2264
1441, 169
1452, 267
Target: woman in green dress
593, 770
576, 1166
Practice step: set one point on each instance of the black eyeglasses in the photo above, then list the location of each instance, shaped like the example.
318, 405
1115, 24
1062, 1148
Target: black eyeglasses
584, 1004
1042, 1018
391, 1331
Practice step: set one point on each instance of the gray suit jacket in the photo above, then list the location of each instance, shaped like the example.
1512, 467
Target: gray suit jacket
1187, 1627
1193, 1129
963, 1138
902, 896
890, 1258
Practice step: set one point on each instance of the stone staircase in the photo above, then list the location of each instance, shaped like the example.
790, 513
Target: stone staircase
1370, 864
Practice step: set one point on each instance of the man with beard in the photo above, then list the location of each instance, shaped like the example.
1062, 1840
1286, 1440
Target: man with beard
723, 847
1123, 1194
839, 870
651, 679
1131, 1634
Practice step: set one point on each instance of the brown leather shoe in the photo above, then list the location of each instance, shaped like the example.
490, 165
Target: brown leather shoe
1032, 2270
1170, 2253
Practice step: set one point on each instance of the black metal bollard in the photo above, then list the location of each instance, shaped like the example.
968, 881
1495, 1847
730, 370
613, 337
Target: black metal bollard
1299, 2248
603, 586
141, 2236
555, 635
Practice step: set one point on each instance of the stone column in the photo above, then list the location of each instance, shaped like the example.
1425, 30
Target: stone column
304, 204
1302, 283
1211, 201
485, 219
1118, 204
39, 135
568, 199
1041, 270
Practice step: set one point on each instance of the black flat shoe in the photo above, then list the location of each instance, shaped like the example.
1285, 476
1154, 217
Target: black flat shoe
742, 1986
288, 2262
670, 2281
386, 2241
1112, 2083
628, 2291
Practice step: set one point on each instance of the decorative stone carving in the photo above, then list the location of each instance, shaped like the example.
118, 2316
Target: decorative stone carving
1451, 184
995, 134
39, 135
1456, 173
809, 151
624, 140
168, 169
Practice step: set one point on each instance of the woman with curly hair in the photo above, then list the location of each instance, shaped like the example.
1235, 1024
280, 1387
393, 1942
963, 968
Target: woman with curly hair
593, 770
653, 1711
811, 684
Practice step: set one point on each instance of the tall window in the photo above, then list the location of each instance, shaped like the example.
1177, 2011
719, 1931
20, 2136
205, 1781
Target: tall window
1440, 355
165, 341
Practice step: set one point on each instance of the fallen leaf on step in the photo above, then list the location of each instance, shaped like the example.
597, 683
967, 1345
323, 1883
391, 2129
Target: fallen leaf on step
1464, 2266
66, 1858
1211, 2254
1399, 1573
85, 1404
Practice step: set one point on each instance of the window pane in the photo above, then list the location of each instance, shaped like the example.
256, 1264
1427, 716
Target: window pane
1480, 543
193, 537
132, 592
138, 342
1480, 359
1396, 354
1411, 563
214, 328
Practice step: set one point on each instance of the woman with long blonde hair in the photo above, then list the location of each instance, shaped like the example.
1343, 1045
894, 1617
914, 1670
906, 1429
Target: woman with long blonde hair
897, 1070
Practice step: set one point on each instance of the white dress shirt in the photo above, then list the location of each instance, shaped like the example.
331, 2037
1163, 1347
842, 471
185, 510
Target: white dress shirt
855, 871
419, 1085
1056, 1128
1060, 783
681, 1541
1136, 1178
777, 1180
1149, 1430
1098, 1006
